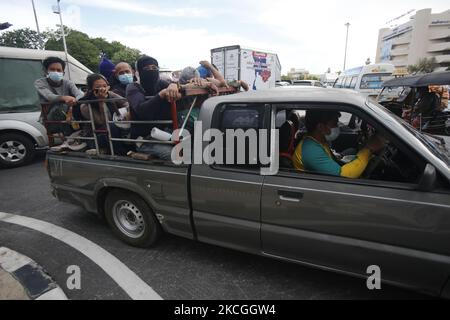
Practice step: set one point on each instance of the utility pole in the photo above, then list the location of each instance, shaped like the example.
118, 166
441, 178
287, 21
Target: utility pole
37, 25
58, 11
346, 42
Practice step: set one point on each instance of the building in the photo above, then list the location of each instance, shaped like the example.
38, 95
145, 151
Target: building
297, 74
426, 35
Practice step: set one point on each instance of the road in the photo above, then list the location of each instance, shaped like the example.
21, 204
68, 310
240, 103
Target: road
175, 269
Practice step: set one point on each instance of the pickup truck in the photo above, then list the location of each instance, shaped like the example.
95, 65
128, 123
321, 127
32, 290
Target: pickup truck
396, 216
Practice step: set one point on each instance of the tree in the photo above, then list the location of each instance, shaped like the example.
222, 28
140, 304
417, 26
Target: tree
22, 38
126, 55
79, 45
423, 66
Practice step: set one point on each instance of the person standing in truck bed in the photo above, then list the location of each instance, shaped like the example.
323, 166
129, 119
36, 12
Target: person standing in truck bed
149, 101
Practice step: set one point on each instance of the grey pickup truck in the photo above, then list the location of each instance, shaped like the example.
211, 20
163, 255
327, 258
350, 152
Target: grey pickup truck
396, 216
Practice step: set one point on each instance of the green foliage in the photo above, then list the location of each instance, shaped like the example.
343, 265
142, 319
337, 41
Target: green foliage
79, 45
22, 38
423, 66
127, 55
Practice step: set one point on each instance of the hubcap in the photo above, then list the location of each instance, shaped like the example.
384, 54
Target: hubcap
12, 151
128, 219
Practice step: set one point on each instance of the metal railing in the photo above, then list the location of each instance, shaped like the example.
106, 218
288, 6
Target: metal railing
186, 92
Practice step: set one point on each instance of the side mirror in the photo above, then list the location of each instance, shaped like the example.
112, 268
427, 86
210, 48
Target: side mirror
428, 180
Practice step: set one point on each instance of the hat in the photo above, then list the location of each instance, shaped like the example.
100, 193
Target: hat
204, 72
187, 74
106, 67
145, 61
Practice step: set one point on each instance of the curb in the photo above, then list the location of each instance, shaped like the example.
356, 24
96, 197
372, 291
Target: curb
32, 277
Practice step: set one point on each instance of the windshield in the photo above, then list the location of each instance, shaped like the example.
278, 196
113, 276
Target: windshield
435, 144
394, 94
374, 80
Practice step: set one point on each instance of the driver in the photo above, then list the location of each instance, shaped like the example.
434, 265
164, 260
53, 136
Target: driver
314, 153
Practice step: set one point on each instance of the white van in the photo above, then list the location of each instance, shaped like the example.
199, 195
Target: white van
21, 134
367, 79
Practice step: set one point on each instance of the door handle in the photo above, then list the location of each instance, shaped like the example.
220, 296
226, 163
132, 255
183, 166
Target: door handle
290, 196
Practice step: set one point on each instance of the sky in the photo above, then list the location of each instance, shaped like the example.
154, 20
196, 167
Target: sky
305, 34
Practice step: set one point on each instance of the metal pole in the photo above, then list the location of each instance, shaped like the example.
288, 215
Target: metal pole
64, 40
346, 42
108, 128
37, 26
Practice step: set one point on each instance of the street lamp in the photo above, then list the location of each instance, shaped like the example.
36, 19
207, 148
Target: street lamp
346, 42
57, 10
41, 44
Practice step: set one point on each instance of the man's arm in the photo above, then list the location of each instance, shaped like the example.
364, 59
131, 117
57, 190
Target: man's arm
144, 109
216, 74
74, 91
43, 89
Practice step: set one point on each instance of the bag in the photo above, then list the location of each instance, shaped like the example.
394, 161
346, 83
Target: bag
59, 113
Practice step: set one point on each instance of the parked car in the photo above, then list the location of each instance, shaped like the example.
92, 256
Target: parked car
21, 133
395, 217
307, 83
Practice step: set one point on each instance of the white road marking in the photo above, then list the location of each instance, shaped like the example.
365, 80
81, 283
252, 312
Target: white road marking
134, 286
11, 261
54, 294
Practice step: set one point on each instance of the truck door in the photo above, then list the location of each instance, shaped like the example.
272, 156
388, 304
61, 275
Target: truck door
349, 225
226, 198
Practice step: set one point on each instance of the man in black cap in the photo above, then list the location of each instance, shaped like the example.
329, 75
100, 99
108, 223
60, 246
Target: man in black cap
149, 101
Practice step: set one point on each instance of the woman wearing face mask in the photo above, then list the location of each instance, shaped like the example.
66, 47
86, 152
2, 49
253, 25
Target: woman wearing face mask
98, 88
314, 154
121, 78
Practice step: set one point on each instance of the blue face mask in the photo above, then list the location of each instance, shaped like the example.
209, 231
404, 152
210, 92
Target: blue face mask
55, 76
335, 132
126, 78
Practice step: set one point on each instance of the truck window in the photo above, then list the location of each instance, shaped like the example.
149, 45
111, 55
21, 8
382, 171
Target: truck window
17, 92
353, 82
395, 164
241, 120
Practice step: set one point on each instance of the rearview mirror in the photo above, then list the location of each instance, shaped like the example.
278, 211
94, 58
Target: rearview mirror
428, 180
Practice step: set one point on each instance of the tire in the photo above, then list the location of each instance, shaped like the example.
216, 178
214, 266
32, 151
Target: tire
131, 219
15, 150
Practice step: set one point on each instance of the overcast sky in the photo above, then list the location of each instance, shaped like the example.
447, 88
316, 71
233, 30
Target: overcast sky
304, 34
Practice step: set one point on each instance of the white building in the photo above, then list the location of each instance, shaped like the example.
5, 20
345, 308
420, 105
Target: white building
426, 35
297, 74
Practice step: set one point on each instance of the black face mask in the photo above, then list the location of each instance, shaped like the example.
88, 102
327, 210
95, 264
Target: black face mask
149, 81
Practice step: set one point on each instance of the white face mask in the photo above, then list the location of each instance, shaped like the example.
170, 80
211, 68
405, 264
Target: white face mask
335, 132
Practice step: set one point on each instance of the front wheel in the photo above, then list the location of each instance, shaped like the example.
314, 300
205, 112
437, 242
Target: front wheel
15, 150
131, 219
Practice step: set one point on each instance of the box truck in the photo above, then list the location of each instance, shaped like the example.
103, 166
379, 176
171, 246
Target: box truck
260, 69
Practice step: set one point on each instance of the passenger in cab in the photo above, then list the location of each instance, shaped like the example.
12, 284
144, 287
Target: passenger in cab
122, 76
314, 153
149, 101
61, 94
99, 89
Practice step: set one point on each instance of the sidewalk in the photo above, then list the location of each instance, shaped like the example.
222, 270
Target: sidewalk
23, 279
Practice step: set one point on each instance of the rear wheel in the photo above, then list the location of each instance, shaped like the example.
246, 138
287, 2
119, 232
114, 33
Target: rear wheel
15, 150
131, 219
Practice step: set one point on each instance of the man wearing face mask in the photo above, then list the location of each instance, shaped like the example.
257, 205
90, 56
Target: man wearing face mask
314, 154
59, 93
121, 78
149, 101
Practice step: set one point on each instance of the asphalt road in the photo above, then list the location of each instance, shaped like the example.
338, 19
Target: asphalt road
176, 268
